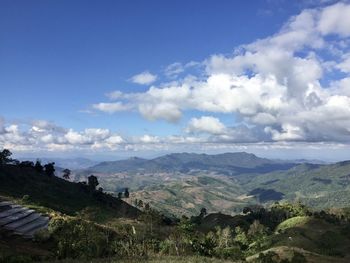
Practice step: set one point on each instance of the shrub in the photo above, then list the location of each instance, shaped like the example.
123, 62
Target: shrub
76, 238
298, 258
42, 235
268, 257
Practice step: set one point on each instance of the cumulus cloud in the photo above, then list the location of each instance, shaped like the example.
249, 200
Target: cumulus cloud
335, 20
174, 69
206, 124
111, 107
344, 65
286, 87
144, 78
44, 135
149, 139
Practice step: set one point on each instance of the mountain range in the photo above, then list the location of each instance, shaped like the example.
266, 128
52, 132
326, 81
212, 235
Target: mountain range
226, 163
70, 163
182, 183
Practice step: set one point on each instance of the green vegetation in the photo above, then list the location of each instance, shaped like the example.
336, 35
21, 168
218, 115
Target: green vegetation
182, 183
293, 222
89, 225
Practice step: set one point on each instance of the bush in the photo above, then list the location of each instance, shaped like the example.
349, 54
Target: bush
42, 235
233, 253
16, 259
76, 238
298, 258
268, 257
25, 198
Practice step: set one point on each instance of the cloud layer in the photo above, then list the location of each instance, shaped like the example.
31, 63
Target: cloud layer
292, 86
144, 78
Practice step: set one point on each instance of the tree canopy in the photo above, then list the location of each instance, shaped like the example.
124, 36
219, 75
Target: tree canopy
5, 155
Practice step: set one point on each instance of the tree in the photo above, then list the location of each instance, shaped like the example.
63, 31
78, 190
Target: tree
38, 167
247, 210
27, 164
126, 193
93, 182
49, 169
120, 195
203, 212
66, 174
140, 204
5, 157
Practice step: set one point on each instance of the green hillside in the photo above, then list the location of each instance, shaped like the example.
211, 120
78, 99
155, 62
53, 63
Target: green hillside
86, 223
318, 186
33, 188
223, 182
187, 195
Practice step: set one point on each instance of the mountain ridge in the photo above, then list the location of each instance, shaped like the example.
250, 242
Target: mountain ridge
235, 162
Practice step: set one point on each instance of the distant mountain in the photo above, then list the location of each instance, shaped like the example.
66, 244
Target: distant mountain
317, 185
70, 163
182, 183
226, 163
312, 161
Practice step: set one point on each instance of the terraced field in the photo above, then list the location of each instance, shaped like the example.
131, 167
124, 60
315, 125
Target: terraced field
19, 220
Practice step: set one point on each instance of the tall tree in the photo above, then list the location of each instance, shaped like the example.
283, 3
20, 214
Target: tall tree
66, 174
5, 155
50, 169
126, 193
38, 167
203, 212
140, 204
93, 182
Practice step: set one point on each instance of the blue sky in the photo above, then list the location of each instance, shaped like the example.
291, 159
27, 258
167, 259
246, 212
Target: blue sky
167, 62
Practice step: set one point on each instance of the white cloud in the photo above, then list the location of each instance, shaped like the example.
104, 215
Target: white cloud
46, 136
111, 107
115, 95
273, 87
144, 78
206, 124
149, 139
272, 84
344, 66
334, 19
174, 69
163, 110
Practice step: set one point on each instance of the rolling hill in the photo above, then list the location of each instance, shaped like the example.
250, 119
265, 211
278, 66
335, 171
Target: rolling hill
227, 163
87, 223
319, 186
181, 183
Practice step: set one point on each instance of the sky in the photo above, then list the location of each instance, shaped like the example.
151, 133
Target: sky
111, 79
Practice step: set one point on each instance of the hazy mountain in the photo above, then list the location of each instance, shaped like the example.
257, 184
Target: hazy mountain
223, 182
317, 185
70, 163
226, 163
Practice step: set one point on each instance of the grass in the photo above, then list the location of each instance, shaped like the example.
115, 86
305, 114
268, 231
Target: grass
286, 252
163, 259
293, 222
46, 193
314, 235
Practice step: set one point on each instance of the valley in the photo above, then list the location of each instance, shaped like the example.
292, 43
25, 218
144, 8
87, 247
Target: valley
183, 183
